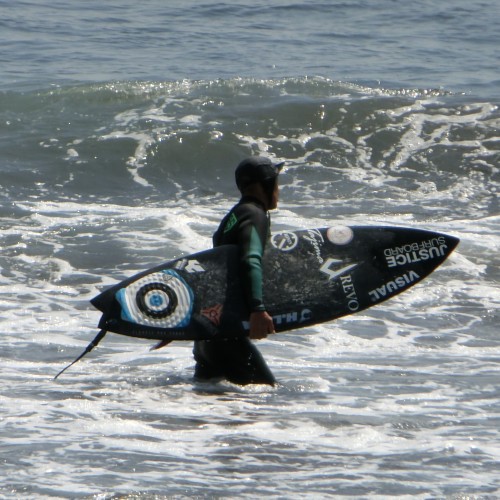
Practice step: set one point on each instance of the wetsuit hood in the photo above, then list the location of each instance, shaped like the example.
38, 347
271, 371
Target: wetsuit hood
256, 169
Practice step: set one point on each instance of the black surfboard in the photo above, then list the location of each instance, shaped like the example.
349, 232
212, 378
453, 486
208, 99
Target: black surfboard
310, 276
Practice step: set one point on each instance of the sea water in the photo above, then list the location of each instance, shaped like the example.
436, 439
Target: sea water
120, 126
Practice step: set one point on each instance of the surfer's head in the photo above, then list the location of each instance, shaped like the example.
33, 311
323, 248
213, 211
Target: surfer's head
261, 171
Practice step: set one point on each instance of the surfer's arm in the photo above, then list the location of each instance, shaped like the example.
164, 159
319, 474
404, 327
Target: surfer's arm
252, 235
261, 323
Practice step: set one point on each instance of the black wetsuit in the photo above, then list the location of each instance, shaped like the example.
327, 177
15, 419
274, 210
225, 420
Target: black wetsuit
238, 360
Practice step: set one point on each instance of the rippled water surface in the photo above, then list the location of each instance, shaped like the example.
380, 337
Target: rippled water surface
120, 127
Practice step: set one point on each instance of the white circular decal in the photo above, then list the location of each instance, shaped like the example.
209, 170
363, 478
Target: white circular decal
161, 300
340, 235
284, 241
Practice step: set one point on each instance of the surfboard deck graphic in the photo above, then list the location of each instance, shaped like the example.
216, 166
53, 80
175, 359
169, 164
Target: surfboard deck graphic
310, 276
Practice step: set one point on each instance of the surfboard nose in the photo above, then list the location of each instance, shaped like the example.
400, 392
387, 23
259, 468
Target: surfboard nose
453, 242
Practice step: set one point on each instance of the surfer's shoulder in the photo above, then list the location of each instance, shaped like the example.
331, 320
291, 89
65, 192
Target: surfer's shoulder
251, 206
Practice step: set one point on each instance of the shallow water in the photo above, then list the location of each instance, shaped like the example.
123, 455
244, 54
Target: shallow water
111, 164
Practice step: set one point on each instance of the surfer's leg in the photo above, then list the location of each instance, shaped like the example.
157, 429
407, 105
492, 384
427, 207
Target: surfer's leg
237, 360
204, 368
247, 365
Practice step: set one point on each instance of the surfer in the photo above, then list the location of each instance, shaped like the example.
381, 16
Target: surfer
247, 225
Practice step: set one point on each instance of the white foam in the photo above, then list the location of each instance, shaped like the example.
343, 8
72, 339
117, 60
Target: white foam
401, 394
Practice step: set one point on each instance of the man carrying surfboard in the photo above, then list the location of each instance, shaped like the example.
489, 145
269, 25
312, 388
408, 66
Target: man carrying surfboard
247, 225
344, 269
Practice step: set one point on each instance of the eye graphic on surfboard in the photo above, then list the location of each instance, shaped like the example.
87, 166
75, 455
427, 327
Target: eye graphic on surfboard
161, 300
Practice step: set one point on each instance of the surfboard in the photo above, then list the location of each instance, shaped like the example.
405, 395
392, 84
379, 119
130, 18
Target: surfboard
310, 276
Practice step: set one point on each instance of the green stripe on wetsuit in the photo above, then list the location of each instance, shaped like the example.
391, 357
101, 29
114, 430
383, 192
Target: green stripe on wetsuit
253, 259
247, 226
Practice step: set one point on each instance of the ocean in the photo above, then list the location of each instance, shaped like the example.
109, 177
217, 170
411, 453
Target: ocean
121, 123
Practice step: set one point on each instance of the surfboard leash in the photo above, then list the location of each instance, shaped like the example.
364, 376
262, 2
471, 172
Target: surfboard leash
96, 341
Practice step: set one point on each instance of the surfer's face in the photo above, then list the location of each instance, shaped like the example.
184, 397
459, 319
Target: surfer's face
274, 197
271, 193
267, 192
